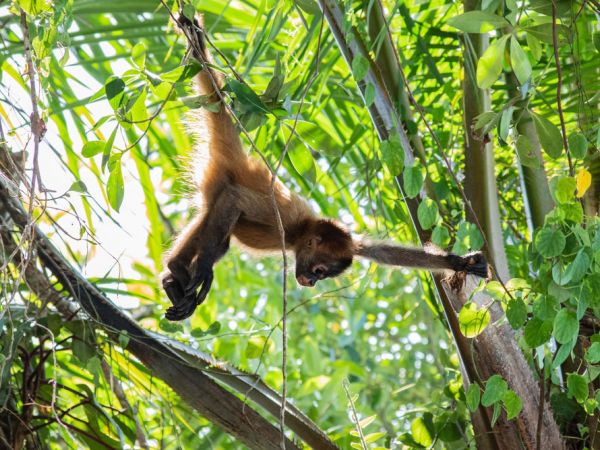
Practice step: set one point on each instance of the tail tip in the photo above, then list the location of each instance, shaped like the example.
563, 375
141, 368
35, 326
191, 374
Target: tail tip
476, 264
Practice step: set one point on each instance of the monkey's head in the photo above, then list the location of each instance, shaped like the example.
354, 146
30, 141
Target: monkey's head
325, 250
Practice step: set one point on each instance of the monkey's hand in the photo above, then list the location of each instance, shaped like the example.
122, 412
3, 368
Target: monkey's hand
474, 263
185, 300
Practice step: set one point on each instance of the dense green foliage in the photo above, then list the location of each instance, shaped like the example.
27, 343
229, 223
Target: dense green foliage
114, 90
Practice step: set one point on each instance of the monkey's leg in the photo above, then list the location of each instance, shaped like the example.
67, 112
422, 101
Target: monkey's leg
200, 248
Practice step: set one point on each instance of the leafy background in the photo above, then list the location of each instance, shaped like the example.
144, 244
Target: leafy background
114, 91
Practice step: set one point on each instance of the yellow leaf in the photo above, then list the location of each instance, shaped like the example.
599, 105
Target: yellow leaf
584, 181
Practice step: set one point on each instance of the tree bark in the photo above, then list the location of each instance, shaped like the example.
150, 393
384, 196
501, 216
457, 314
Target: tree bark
495, 350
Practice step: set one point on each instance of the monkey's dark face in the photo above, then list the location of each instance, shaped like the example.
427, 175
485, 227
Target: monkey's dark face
325, 252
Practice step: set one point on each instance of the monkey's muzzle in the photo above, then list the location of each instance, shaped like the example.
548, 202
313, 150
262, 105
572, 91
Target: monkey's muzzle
306, 281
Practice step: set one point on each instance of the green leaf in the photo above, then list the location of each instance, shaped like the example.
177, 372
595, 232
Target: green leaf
526, 152
413, 180
182, 73
578, 145
247, 98
369, 94
489, 66
360, 67
519, 61
566, 326
545, 307
495, 389
392, 154
473, 396
92, 148
512, 404
593, 353
534, 46
564, 189
563, 353
78, 186
422, 431
577, 387
579, 267
516, 313
169, 327
115, 188
550, 242
537, 332
440, 236
138, 54
115, 88
428, 213
477, 22
487, 121
472, 320
549, 136
256, 346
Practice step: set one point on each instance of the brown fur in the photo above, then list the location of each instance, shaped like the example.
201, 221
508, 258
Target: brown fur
237, 201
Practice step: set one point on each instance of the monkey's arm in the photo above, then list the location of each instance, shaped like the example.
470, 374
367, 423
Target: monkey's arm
395, 255
198, 248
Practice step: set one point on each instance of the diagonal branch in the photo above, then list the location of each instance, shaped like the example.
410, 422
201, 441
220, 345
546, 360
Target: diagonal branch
188, 372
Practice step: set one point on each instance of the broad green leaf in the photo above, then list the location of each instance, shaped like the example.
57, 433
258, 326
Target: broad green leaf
526, 152
512, 404
473, 395
369, 94
92, 148
495, 389
579, 267
534, 46
566, 326
489, 66
392, 154
537, 332
477, 22
422, 431
564, 189
413, 180
519, 61
549, 136
428, 213
577, 387
473, 320
563, 353
516, 312
550, 242
592, 355
440, 236
578, 145
257, 345
138, 54
182, 73
360, 67
115, 88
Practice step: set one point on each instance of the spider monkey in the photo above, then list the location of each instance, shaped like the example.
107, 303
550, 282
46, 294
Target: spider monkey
237, 197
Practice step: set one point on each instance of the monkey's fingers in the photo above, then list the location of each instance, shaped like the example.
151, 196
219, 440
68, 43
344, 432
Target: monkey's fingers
173, 289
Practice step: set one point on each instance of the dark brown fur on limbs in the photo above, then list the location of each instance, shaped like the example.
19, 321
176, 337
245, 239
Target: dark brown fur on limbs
237, 198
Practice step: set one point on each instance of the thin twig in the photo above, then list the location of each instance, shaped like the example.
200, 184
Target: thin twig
559, 88
359, 430
307, 87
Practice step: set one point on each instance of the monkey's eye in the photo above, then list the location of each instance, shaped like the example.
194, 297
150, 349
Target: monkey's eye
319, 270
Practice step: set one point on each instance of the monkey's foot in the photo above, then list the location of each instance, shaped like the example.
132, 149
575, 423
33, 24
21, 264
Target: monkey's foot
186, 301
